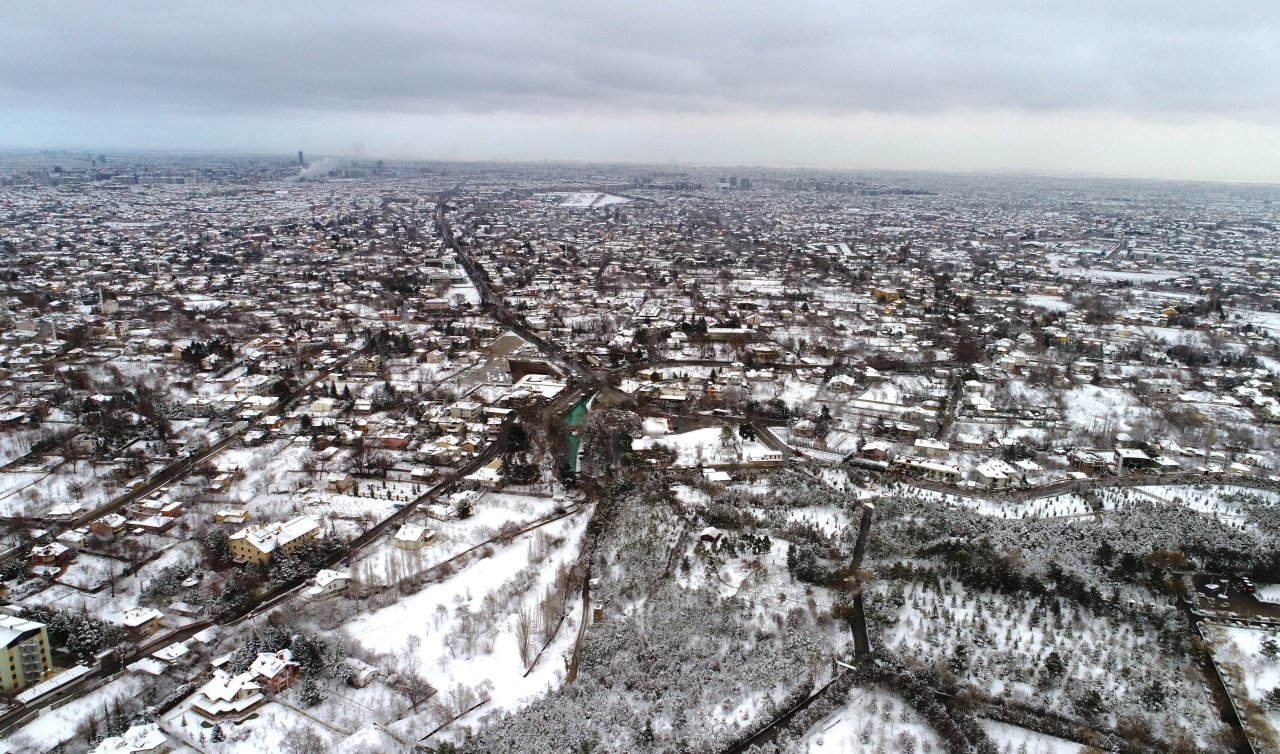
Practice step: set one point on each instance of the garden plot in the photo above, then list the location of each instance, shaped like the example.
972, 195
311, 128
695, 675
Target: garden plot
427, 374
842, 442
827, 519
90, 573
270, 482
837, 478
127, 594
1049, 653
871, 720
1058, 506
900, 389
277, 465
1222, 503
17, 443
1268, 593
55, 486
1094, 410
794, 392
690, 496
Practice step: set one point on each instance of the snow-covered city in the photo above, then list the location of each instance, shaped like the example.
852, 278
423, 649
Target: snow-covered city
426, 456
590, 378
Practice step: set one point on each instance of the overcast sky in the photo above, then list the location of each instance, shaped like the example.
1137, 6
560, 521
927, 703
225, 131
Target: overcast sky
1173, 89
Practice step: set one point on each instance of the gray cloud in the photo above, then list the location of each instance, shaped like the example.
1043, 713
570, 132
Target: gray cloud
241, 58
1115, 88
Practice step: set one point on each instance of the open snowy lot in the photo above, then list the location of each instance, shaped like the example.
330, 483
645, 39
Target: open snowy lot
56, 484
713, 446
383, 563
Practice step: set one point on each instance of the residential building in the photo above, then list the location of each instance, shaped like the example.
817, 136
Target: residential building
24, 653
258, 544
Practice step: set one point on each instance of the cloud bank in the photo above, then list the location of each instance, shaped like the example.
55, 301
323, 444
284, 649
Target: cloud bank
651, 81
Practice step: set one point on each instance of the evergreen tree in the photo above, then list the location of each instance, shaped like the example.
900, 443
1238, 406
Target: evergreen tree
1054, 667
1153, 695
310, 693
1270, 649
1090, 702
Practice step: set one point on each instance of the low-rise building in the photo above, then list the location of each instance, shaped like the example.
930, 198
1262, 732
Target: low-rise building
328, 583
259, 544
276, 670
413, 537
139, 621
227, 695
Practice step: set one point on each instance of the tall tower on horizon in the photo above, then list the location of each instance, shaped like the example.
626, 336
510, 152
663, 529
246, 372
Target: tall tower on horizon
300, 162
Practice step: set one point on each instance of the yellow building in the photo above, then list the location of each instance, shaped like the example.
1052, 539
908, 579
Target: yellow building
24, 653
258, 544
885, 294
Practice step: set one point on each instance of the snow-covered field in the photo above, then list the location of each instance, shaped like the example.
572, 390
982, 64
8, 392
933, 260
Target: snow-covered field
872, 720
711, 446
1011, 739
384, 563
1052, 303
1096, 409
1056, 506
88, 570
271, 726
16, 443
37, 490
464, 630
1268, 593
585, 199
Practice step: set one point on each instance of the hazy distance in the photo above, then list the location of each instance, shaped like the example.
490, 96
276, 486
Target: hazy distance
1108, 88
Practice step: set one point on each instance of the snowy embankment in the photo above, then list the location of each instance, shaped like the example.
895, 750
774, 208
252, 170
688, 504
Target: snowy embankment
1249, 659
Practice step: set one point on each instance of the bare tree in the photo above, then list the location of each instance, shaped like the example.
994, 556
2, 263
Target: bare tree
303, 739
524, 627
414, 686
